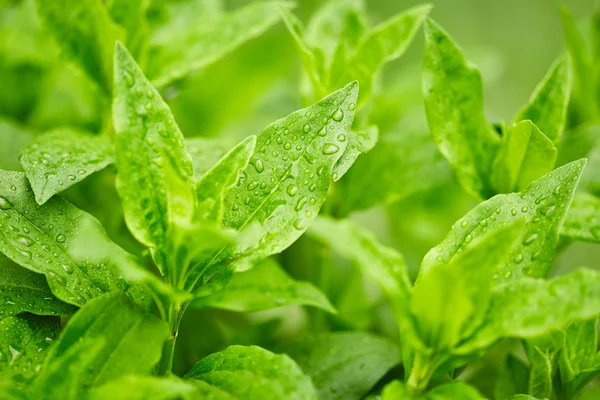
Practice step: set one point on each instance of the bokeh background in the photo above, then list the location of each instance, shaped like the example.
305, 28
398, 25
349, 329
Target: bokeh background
513, 42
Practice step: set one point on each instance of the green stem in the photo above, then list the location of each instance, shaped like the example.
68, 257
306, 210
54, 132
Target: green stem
421, 373
173, 318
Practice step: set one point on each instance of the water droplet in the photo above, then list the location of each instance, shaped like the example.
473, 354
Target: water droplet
4, 204
291, 190
258, 165
519, 258
541, 198
129, 81
301, 203
25, 241
464, 224
306, 128
530, 239
323, 131
252, 185
330, 148
299, 224
507, 275
469, 238
547, 210
72, 177
341, 137
287, 146
352, 106
338, 115
67, 269
235, 207
513, 212
524, 209
60, 238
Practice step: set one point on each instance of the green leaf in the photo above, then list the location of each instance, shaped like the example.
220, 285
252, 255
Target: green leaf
155, 175
512, 378
579, 359
453, 390
126, 341
24, 291
547, 107
522, 397
62, 242
450, 301
177, 49
280, 192
24, 341
382, 44
249, 372
59, 159
313, 67
360, 142
583, 104
85, 33
559, 301
263, 287
211, 188
454, 106
401, 165
206, 152
145, 387
525, 154
583, 219
396, 390
540, 373
13, 139
344, 365
543, 205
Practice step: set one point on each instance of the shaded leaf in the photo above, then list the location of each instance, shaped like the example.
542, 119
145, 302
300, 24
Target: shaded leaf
583, 219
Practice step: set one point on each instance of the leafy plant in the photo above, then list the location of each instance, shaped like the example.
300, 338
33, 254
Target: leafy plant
166, 233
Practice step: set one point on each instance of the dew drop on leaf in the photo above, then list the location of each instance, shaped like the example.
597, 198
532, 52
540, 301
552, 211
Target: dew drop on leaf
4, 204
330, 148
291, 190
338, 115
60, 238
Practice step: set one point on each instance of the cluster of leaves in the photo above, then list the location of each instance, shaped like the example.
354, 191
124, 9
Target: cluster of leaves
114, 224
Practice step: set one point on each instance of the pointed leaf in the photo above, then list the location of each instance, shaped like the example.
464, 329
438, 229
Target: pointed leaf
155, 176
59, 159
360, 141
525, 154
543, 204
547, 107
454, 108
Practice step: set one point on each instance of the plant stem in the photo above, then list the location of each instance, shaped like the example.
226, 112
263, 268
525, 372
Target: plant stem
420, 374
173, 317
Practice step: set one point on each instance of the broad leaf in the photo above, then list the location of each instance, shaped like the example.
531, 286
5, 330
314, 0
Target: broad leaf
547, 108
543, 205
583, 219
61, 158
454, 108
525, 154
450, 301
155, 176
558, 302
345, 364
254, 373
282, 189
178, 49
360, 142
62, 242
85, 33
125, 341
24, 291
263, 287
24, 341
